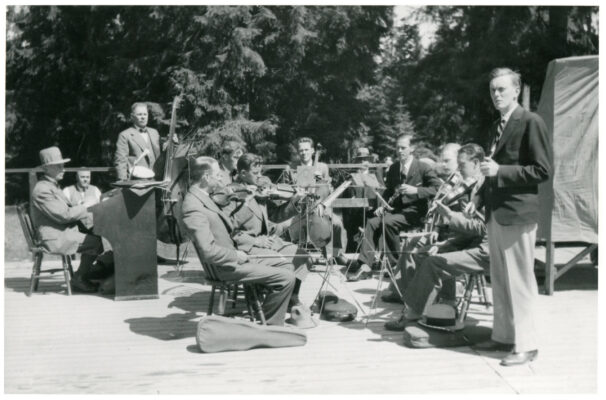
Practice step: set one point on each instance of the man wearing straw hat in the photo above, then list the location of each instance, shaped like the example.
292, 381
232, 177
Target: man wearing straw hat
57, 220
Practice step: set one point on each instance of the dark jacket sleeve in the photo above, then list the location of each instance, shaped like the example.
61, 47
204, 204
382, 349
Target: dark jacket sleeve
391, 181
431, 183
539, 169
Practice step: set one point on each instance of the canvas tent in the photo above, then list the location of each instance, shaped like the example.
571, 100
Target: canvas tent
569, 201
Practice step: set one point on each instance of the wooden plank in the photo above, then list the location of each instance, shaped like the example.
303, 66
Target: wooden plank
90, 344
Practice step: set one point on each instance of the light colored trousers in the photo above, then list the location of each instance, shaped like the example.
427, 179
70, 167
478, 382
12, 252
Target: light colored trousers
514, 285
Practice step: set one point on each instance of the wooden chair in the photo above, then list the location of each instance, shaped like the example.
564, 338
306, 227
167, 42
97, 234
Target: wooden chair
477, 281
228, 292
38, 252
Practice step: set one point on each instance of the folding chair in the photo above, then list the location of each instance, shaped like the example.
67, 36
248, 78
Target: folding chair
38, 252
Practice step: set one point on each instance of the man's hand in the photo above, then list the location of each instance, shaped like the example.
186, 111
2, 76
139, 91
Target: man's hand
470, 210
408, 189
380, 211
264, 242
444, 211
489, 167
242, 256
433, 250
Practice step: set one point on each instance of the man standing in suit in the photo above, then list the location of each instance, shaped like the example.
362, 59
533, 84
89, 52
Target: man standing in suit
520, 160
411, 183
139, 143
57, 221
211, 230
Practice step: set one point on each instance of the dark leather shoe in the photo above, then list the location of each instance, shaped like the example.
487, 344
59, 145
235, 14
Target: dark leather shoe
396, 325
491, 345
294, 301
342, 260
364, 272
83, 286
376, 266
399, 324
519, 358
391, 297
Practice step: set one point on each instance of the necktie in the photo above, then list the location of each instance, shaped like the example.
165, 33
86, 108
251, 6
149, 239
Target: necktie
144, 135
403, 173
500, 129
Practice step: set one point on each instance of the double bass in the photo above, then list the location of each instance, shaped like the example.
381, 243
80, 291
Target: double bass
169, 234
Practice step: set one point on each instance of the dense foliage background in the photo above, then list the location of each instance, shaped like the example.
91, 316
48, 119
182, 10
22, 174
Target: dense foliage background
265, 75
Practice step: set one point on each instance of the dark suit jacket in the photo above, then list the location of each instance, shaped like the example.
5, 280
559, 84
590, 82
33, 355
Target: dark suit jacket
524, 157
420, 175
250, 220
209, 229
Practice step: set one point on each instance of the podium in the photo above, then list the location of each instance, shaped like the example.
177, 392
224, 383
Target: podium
127, 220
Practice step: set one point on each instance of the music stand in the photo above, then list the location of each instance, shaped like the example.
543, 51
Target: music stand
385, 264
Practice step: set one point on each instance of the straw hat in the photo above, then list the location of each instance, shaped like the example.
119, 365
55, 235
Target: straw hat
442, 317
52, 156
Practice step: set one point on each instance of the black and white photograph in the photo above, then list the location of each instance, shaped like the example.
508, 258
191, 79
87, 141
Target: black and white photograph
301, 199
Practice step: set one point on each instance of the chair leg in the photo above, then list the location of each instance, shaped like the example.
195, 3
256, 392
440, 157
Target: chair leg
65, 262
249, 305
212, 300
33, 283
255, 297
222, 300
235, 296
482, 282
69, 263
466, 298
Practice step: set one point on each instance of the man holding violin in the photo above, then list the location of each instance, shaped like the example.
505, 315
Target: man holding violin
409, 185
212, 233
259, 236
464, 250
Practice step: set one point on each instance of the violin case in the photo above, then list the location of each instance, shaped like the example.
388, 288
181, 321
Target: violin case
216, 334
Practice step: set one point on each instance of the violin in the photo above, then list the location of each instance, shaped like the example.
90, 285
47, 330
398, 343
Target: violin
449, 197
223, 195
268, 190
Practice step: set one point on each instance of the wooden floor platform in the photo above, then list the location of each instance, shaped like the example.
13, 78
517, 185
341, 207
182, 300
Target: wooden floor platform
92, 344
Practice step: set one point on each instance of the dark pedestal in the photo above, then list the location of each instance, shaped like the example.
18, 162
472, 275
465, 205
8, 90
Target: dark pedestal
128, 221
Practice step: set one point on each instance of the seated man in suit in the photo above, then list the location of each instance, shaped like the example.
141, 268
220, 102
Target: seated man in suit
138, 144
410, 184
57, 221
260, 236
305, 149
211, 231
447, 162
464, 251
